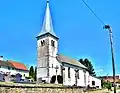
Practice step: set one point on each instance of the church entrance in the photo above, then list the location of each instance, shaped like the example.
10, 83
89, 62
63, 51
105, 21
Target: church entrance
53, 79
59, 79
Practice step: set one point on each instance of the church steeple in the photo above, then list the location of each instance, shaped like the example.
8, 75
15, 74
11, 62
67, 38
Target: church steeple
47, 48
47, 27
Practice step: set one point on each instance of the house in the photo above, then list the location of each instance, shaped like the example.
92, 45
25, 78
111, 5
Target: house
94, 82
19, 68
11, 68
110, 79
53, 67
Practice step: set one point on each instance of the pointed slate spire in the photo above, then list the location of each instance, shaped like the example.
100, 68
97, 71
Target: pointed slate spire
47, 23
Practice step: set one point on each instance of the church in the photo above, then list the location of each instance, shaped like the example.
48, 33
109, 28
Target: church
56, 68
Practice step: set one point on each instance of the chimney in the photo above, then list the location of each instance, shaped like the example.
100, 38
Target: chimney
1, 58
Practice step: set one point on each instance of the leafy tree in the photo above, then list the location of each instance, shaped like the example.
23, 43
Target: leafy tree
35, 75
89, 65
31, 72
107, 85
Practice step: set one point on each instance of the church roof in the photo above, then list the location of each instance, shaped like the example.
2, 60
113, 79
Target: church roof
47, 26
70, 61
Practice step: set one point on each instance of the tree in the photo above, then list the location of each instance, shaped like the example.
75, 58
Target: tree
31, 72
89, 65
107, 85
35, 74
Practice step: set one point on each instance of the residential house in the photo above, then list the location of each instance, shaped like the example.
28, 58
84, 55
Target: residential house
12, 68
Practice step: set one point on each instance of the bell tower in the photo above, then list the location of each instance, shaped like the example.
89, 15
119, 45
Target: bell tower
47, 47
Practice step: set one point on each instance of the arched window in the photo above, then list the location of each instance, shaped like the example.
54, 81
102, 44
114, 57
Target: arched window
42, 42
78, 74
68, 72
52, 43
85, 78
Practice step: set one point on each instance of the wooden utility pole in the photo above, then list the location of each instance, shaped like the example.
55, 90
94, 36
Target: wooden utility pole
112, 53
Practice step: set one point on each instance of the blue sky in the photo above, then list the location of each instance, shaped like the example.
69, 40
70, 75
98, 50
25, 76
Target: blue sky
81, 33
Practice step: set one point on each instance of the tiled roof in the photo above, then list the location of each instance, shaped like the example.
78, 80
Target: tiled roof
18, 65
69, 60
110, 77
6, 64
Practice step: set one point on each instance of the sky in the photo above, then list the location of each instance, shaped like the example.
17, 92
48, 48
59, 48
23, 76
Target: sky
81, 33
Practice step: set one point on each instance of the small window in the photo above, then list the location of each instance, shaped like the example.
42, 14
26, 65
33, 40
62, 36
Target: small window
13, 69
52, 65
8, 68
93, 83
42, 42
0, 66
52, 43
68, 72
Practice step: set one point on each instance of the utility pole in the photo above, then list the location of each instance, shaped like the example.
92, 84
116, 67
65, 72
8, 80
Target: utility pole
112, 53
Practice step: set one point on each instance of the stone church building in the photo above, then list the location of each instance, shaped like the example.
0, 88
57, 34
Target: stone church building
53, 67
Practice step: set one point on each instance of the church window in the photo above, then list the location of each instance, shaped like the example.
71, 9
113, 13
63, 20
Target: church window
78, 74
85, 78
42, 42
68, 72
52, 43
52, 65
64, 76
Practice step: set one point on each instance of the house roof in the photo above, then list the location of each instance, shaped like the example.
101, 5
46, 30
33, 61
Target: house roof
6, 64
18, 65
70, 61
109, 77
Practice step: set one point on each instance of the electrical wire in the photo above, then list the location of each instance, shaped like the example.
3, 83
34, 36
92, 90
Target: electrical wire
93, 12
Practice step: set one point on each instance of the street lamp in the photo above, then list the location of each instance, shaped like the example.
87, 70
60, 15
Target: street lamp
56, 81
111, 45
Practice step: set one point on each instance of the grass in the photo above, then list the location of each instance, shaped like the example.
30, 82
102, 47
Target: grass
20, 84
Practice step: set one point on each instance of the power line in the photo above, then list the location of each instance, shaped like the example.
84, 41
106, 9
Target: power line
93, 12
